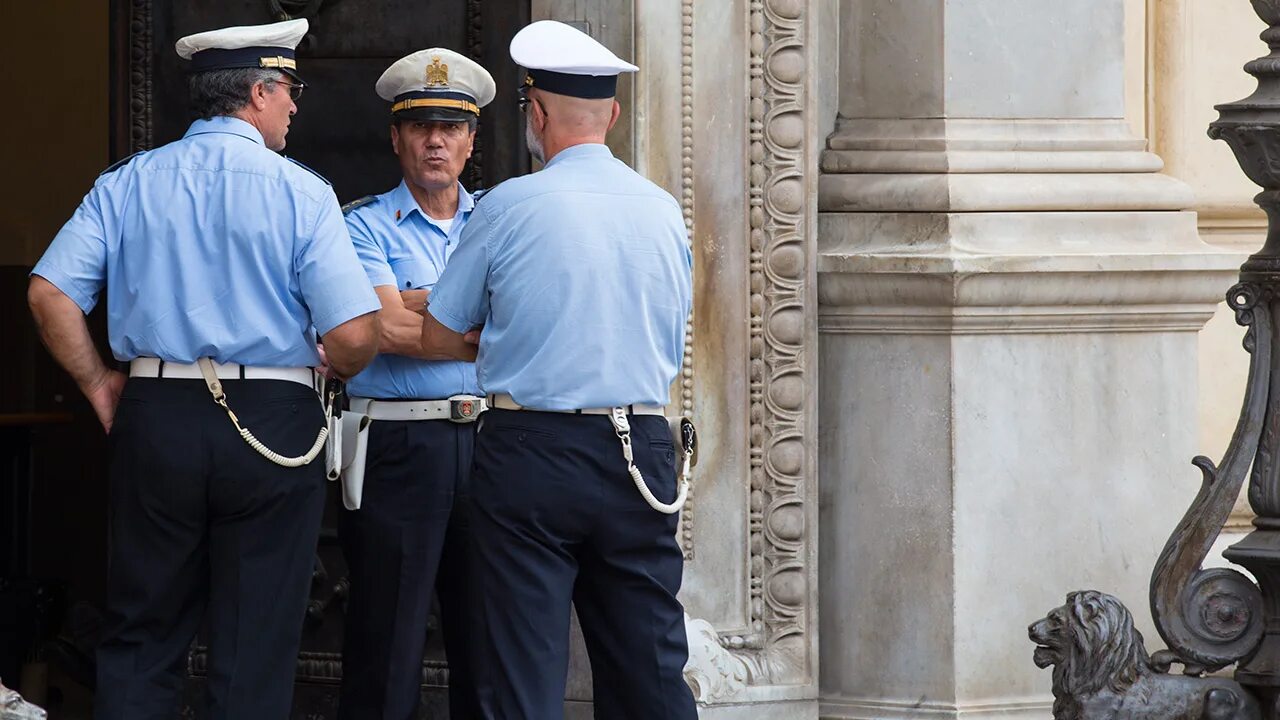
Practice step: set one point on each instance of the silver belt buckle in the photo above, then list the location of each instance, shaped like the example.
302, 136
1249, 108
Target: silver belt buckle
465, 408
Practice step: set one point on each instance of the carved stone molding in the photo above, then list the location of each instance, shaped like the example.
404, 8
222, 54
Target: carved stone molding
776, 648
140, 137
686, 205
475, 51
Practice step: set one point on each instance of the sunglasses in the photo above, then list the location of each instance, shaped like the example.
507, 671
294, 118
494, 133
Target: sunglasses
295, 89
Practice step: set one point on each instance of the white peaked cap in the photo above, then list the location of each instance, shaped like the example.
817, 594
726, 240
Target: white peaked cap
436, 75
561, 48
284, 35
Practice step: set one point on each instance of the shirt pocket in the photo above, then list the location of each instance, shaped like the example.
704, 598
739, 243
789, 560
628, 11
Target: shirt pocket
414, 274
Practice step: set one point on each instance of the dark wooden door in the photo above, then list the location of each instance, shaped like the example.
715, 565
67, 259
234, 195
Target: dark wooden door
341, 131
341, 127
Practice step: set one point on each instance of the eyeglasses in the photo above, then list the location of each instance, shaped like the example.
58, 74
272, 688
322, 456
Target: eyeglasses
523, 101
295, 89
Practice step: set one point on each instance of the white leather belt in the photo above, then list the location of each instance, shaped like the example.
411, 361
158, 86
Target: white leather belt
458, 409
147, 367
503, 401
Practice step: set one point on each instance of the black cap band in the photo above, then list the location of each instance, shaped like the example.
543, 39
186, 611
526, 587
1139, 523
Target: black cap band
591, 87
275, 58
447, 105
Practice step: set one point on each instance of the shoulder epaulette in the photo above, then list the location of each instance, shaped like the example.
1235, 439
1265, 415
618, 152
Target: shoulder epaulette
304, 167
358, 203
120, 163
475, 196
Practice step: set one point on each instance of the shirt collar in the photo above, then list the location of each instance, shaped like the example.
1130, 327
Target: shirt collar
227, 125
403, 203
584, 150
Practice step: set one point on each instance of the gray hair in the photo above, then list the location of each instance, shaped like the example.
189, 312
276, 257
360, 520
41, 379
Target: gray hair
223, 92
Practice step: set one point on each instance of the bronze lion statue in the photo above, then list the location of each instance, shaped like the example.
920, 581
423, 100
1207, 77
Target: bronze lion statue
1101, 670
13, 707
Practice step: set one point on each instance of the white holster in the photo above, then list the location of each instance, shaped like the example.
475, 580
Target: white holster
348, 445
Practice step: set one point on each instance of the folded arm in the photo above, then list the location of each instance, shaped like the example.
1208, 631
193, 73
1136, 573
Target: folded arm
402, 330
443, 343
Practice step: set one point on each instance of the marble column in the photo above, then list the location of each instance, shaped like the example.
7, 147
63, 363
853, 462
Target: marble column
1009, 296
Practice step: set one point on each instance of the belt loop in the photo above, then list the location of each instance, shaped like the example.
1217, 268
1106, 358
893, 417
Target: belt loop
242, 372
160, 370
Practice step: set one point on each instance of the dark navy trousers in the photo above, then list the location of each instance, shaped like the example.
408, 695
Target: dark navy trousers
408, 537
557, 523
200, 523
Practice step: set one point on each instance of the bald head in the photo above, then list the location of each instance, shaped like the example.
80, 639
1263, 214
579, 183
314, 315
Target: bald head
559, 121
580, 116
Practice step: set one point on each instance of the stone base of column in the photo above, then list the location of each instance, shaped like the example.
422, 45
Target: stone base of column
795, 710
834, 709
1008, 372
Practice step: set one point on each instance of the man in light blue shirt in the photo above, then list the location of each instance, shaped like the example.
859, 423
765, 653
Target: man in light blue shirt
580, 277
218, 257
409, 532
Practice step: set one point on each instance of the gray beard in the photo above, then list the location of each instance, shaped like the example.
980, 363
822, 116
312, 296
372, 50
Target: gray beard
535, 145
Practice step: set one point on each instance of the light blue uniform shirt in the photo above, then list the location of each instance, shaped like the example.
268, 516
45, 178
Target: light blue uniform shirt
401, 246
212, 246
580, 275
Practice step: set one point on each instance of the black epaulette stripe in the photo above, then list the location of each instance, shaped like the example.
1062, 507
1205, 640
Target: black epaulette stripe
359, 202
120, 163
304, 167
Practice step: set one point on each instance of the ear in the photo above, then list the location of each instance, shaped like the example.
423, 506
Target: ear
538, 114
395, 138
258, 95
471, 143
614, 114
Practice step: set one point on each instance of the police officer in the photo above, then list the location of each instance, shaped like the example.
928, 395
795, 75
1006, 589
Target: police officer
580, 276
219, 257
410, 529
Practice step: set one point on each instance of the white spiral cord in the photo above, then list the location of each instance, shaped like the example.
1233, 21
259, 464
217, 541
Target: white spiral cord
623, 429
215, 389
279, 459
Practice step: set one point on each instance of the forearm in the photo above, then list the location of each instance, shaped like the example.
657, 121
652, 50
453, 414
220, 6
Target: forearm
65, 333
351, 346
402, 333
440, 343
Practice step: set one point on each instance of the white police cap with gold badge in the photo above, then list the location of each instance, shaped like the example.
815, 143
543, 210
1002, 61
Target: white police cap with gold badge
436, 84
561, 59
246, 46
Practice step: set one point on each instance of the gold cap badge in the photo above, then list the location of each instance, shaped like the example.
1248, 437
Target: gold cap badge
437, 73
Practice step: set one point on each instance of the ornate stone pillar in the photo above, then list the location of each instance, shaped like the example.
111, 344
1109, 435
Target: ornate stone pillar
1009, 299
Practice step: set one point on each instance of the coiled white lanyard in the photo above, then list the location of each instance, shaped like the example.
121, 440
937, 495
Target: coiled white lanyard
220, 397
622, 427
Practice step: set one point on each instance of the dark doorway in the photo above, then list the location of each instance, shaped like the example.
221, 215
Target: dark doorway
341, 127
341, 131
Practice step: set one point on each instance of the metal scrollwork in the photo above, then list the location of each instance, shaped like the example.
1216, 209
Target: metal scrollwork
1213, 618
290, 9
